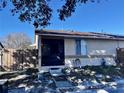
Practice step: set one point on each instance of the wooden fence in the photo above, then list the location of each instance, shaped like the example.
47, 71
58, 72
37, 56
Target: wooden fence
120, 56
19, 59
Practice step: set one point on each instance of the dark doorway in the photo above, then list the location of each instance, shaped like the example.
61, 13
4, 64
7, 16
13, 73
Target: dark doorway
52, 52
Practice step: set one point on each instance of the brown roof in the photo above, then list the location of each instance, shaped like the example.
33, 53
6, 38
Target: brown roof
74, 34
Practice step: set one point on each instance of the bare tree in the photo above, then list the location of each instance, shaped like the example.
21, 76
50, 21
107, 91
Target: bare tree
17, 40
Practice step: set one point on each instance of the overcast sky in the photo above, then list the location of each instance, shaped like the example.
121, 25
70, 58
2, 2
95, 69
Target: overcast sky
107, 16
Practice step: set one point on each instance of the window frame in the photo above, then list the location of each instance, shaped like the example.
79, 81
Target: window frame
78, 46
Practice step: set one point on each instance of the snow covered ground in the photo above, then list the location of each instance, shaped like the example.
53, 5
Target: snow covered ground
111, 87
69, 81
86, 87
104, 90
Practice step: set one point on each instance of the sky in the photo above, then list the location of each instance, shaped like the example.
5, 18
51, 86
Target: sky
106, 16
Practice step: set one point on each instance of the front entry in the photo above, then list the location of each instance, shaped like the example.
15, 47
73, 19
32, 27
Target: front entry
52, 52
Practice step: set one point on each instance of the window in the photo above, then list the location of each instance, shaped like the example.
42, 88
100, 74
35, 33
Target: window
83, 47
78, 47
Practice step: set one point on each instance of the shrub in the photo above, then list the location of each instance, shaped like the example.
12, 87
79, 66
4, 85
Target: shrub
31, 71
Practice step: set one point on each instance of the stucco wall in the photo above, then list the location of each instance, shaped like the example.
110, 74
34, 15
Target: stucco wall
103, 47
121, 44
70, 62
69, 45
94, 47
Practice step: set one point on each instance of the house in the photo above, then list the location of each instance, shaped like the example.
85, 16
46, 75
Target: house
1, 53
75, 49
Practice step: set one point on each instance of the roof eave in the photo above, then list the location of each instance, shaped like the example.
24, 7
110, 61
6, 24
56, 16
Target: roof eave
83, 37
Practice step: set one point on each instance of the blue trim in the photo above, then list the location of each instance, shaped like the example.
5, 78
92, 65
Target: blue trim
78, 46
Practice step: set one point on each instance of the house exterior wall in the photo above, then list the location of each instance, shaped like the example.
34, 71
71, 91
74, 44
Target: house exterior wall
121, 44
89, 47
95, 61
69, 46
93, 47
101, 47
36, 41
1, 54
0, 58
